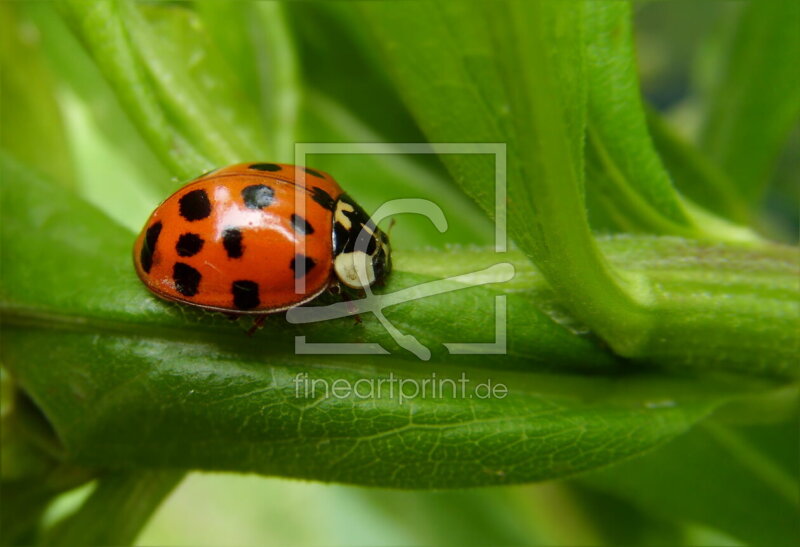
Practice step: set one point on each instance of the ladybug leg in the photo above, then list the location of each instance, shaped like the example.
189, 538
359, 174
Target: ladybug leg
335, 288
258, 322
231, 316
351, 307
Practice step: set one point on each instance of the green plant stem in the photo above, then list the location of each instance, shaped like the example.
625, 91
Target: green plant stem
722, 307
116, 511
561, 242
719, 306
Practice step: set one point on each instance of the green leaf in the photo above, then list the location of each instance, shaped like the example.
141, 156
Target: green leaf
32, 128
706, 477
617, 130
207, 405
694, 174
202, 99
339, 62
101, 27
115, 168
259, 51
624, 166
756, 100
148, 384
32, 471
195, 117
279, 75
335, 51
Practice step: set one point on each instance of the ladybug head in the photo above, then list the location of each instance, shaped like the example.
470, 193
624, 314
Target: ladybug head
361, 251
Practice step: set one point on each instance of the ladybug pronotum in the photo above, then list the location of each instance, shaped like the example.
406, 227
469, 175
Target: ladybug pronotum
228, 241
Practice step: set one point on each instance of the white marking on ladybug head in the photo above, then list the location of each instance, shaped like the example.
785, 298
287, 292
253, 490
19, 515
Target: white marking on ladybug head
354, 269
339, 216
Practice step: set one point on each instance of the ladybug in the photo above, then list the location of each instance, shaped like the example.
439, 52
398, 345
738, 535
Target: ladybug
234, 240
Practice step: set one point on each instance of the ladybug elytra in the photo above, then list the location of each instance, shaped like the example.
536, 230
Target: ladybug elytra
234, 240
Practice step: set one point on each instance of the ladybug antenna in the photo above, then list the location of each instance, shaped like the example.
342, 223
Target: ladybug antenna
392, 222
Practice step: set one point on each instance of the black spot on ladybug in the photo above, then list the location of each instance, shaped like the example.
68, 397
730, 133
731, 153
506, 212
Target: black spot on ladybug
266, 167
232, 241
258, 196
149, 246
186, 279
301, 264
245, 294
301, 225
189, 244
323, 198
195, 205
313, 173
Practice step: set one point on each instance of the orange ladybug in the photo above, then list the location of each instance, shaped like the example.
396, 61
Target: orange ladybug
234, 240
